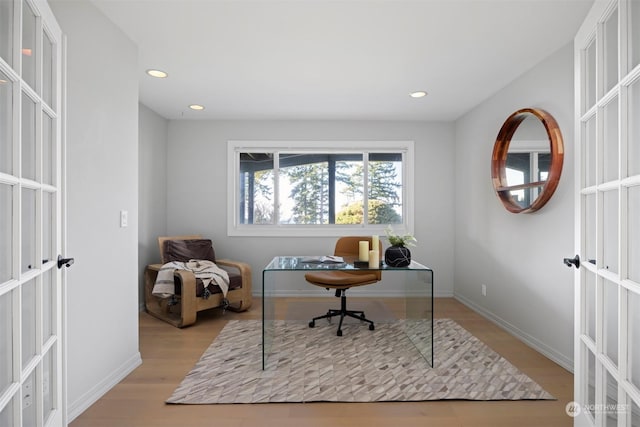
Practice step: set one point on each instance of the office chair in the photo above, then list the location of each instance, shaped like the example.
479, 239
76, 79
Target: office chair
348, 248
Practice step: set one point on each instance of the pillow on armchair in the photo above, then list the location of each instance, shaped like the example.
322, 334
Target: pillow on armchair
185, 250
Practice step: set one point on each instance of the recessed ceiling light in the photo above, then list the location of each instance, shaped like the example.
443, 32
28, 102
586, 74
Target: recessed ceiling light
418, 94
196, 107
3, 81
157, 73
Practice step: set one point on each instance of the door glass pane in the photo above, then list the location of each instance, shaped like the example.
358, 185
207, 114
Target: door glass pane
591, 383
611, 51
590, 309
634, 40
610, 230
589, 152
48, 159
29, 401
28, 45
47, 226
28, 321
610, 412
6, 121
590, 76
611, 141
635, 415
590, 226
633, 310
28, 138
28, 229
47, 69
633, 227
48, 302
611, 321
47, 381
633, 160
6, 232
6, 414
6, 31
6, 336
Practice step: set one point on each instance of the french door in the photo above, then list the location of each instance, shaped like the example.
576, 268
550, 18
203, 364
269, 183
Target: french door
31, 310
607, 304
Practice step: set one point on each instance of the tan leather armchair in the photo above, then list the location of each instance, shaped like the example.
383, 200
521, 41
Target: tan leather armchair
190, 297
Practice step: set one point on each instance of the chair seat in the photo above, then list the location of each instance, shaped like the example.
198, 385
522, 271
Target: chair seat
339, 279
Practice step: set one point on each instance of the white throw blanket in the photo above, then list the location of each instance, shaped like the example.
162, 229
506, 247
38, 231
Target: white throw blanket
206, 270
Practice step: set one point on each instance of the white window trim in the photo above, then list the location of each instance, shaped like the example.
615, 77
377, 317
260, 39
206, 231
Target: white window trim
328, 230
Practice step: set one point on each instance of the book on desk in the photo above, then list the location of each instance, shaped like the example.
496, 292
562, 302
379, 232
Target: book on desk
324, 259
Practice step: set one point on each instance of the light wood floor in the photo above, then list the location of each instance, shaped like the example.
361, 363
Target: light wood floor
169, 353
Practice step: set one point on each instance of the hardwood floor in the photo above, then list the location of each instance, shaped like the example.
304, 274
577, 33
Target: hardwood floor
169, 353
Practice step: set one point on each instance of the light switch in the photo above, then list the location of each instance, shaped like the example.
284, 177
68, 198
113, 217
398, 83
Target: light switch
124, 219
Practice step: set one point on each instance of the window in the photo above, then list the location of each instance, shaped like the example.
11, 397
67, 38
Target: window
524, 168
315, 188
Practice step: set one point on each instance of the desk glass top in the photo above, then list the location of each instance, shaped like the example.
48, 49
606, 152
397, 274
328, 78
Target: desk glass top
294, 263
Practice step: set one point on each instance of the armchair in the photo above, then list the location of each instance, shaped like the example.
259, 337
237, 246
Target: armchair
190, 295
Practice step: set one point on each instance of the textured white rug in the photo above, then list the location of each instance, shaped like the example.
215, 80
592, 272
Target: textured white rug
310, 365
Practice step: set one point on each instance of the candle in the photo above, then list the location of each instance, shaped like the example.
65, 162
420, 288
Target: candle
364, 250
374, 259
375, 243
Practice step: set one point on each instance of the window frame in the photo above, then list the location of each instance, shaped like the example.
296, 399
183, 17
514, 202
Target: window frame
235, 147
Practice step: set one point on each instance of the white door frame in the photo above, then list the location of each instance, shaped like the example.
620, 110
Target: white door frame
34, 393
604, 390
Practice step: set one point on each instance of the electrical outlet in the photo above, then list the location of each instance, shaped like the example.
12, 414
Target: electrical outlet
484, 290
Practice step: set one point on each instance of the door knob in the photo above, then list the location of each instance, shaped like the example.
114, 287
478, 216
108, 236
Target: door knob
575, 261
66, 262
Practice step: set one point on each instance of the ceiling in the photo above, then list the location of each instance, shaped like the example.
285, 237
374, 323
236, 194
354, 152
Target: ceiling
337, 59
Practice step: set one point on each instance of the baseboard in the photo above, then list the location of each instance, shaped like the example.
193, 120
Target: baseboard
531, 341
90, 397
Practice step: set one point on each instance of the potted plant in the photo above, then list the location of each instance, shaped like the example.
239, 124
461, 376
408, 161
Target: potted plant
398, 254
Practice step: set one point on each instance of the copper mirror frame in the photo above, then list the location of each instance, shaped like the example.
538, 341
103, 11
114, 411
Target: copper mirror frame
499, 161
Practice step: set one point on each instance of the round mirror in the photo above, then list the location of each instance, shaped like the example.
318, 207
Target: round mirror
527, 160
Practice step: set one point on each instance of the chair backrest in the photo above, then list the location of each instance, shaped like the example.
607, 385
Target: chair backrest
349, 247
163, 239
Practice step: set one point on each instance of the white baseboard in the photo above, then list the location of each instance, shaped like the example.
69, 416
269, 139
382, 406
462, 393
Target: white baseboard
540, 347
90, 397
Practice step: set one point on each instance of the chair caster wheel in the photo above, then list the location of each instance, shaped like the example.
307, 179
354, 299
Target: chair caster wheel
312, 324
371, 327
339, 332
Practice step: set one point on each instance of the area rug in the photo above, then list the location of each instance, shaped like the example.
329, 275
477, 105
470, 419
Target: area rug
314, 365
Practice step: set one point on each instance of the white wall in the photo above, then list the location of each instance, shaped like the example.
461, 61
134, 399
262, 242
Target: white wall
152, 174
102, 177
518, 256
197, 189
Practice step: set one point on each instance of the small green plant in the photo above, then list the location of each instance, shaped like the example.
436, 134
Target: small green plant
398, 240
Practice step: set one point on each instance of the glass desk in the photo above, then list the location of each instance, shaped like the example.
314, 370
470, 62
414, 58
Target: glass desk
415, 281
